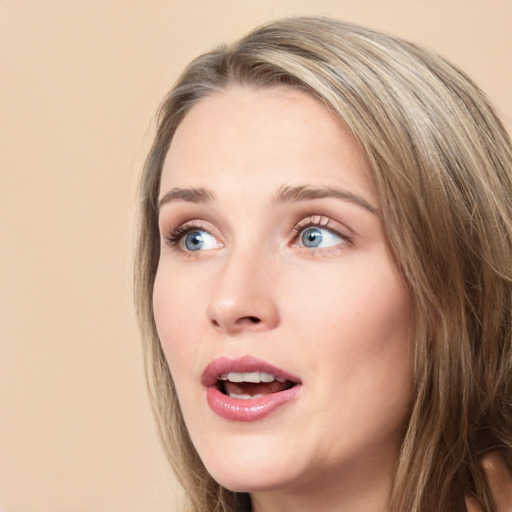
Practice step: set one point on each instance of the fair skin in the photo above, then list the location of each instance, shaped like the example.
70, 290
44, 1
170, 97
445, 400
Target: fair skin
273, 248
500, 482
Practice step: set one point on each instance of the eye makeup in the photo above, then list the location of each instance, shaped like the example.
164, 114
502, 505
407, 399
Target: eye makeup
314, 233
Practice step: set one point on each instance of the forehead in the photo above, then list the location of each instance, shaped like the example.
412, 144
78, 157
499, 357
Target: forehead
249, 134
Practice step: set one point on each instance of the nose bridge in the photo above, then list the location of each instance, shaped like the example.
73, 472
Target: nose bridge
242, 297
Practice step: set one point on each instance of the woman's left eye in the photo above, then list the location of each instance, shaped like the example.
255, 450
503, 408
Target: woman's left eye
316, 237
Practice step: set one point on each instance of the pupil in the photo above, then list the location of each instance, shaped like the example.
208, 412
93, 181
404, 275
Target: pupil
312, 237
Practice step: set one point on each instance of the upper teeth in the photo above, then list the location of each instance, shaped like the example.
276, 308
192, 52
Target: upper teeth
254, 377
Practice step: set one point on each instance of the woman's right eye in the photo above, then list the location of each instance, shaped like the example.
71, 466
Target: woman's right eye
192, 239
198, 240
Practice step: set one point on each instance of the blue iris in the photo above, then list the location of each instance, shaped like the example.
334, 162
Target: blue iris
198, 240
315, 237
311, 237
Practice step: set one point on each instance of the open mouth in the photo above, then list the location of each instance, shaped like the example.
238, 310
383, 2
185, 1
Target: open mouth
246, 378
247, 389
251, 385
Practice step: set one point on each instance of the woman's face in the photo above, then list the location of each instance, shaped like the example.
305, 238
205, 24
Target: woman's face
274, 270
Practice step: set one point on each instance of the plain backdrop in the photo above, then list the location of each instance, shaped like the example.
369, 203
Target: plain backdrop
80, 81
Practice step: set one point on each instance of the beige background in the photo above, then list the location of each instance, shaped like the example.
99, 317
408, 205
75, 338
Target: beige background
80, 81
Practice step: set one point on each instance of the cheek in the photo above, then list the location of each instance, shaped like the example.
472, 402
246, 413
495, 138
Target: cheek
358, 301
357, 326
381, 360
177, 319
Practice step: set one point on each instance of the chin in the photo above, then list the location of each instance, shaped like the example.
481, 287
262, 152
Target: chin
251, 481
252, 470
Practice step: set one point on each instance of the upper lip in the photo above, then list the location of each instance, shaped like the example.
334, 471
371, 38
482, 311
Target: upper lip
224, 365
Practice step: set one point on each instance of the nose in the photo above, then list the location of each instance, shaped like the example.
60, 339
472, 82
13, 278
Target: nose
243, 296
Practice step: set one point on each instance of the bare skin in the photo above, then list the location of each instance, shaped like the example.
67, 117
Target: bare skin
500, 481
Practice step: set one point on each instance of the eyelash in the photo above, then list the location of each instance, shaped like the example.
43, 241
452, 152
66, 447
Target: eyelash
174, 238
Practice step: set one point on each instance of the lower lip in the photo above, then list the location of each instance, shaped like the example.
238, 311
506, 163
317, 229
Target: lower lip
235, 409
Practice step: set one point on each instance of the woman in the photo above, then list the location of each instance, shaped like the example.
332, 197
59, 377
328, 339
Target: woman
324, 276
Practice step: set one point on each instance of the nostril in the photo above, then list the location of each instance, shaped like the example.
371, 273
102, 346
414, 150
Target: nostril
248, 320
241, 321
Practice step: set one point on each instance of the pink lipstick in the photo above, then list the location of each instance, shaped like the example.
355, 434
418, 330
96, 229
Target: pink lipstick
247, 388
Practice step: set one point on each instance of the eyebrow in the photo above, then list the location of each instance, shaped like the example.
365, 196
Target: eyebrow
189, 195
288, 194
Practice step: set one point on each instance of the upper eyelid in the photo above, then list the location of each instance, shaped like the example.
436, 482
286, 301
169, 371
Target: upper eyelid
171, 219
167, 226
325, 222
315, 219
310, 220
180, 229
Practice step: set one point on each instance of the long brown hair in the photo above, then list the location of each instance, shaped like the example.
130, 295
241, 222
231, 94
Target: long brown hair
442, 166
